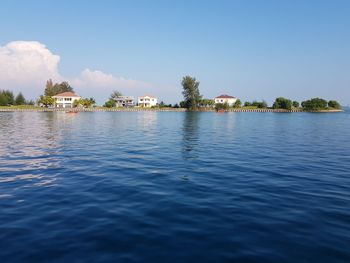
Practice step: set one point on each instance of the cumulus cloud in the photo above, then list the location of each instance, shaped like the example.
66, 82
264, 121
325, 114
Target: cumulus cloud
26, 65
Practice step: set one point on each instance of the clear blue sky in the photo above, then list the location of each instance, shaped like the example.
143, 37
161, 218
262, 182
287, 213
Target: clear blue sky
249, 49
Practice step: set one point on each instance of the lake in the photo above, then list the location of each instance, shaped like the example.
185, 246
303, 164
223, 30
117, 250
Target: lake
174, 187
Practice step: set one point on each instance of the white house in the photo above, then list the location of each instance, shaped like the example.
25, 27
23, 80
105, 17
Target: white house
225, 99
65, 99
124, 101
147, 101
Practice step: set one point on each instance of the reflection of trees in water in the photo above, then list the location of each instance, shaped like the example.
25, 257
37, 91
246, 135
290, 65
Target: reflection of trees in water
190, 132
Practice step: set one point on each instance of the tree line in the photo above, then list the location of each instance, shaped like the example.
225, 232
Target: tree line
193, 100
7, 98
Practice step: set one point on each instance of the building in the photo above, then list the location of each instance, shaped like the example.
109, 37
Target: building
147, 101
124, 101
225, 99
65, 99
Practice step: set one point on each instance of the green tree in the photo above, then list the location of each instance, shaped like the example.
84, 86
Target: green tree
314, 104
334, 104
282, 103
183, 104
259, 104
46, 101
20, 100
86, 103
115, 94
237, 104
54, 89
49, 88
3, 100
109, 104
222, 106
191, 92
6, 98
206, 103
296, 104
247, 104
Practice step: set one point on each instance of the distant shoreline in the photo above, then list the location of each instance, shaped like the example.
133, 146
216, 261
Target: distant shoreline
103, 109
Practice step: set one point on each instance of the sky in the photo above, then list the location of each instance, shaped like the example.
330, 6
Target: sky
251, 49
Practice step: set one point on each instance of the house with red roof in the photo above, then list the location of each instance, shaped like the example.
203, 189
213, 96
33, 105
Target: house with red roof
65, 99
147, 101
224, 98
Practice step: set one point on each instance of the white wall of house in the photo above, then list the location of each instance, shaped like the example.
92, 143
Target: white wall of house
147, 101
65, 101
229, 101
124, 101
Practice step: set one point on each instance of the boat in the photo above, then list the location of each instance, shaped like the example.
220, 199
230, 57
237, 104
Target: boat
221, 111
71, 112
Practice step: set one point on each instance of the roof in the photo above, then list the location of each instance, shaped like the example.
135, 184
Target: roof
66, 94
224, 96
150, 96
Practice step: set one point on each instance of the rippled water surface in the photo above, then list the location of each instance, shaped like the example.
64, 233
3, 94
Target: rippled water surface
174, 187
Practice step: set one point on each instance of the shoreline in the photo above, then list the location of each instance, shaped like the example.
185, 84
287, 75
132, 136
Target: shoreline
101, 109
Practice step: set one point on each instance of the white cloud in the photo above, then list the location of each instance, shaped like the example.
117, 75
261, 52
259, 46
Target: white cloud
93, 82
26, 65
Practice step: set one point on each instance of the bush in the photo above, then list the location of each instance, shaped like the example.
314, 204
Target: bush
109, 104
237, 104
296, 104
247, 104
20, 100
314, 104
259, 104
282, 103
222, 106
334, 104
6, 98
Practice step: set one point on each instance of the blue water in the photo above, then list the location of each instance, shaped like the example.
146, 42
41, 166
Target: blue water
174, 187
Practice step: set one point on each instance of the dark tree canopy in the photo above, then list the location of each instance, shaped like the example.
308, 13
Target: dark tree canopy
247, 104
110, 103
314, 104
115, 94
237, 104
54, 89
334, 104
258, 104
296, 104
191, 92
282, 103
20, 100
6, 98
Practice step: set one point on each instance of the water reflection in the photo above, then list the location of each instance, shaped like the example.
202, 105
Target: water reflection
190, 131
29, 145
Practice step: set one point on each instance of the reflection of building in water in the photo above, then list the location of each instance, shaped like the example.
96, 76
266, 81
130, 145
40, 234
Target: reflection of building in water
190, 131
28, 143
147, 120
